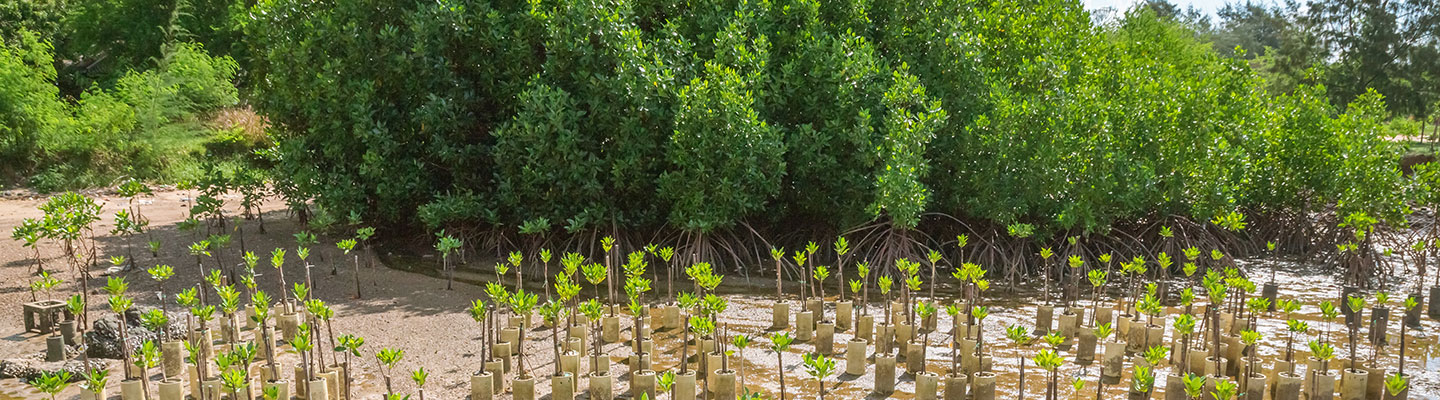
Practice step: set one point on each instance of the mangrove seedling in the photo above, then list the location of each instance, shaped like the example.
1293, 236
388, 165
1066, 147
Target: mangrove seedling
926, 310
666, 382
741, 342
1323, 351
350, 345
1019, 335
262, 315
51, 384
480, 312
1050, 361
119, 303
277, 261
552, 311
780, 343
820, 273
819, 367
1250, 338
301, 345
95, 380
345, 247
885, 282
235, 379
521, 304
778, 254
147, 357
1394, 384
446, 245
1410, 303
934, 257
592, 310
1185, 327
1224, 389
420, 376
1097, 281
842, 247
1356, 303
388, 359
1194, 385
1143, 381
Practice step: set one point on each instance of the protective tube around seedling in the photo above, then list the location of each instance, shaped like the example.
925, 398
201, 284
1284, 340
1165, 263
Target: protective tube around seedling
610, 329
885, 343
957, 386
982, 386
497, 375
1085, 354
1375, 384
643, 382
171, 390
685, 385
570, 364
482, 386
816, 309
884, 374
1352, 384
1112, 362
1287, 386
855, 357
804, 326
316, 389
1175, 387
915, 358
1255, 387
903, 333
502, 353
524, 388
1044, 317
1323, 386
843, 311
724, 386
926, 386
672, 317
332, 383
132, 390
562, 387
1135, 337
825, 338
779, 316
283, 388
600, 386
865, 329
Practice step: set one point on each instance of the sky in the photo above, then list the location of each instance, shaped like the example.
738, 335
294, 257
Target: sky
1209, 7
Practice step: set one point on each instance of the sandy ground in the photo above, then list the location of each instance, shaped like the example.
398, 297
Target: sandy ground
413, 312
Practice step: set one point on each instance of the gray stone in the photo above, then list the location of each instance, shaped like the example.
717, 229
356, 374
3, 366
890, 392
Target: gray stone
103, 338
28, 368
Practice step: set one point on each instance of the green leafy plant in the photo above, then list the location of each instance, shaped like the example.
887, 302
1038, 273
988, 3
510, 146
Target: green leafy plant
1020, 336
819, 367
50, 384
389, 358
420, 376
1194, 385
1394, 384
445, 245
780, 343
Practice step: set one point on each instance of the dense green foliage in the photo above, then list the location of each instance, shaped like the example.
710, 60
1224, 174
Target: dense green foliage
702, 115
144, 126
